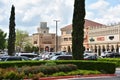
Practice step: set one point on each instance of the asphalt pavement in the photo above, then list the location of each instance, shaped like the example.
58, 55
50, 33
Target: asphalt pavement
97, 78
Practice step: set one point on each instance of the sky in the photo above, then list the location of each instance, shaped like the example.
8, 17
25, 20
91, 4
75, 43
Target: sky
29, 13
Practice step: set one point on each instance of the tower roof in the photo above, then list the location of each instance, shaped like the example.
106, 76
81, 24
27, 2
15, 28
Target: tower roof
43, 25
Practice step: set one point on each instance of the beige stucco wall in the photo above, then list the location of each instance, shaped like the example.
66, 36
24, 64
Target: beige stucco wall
43, 40
98, 36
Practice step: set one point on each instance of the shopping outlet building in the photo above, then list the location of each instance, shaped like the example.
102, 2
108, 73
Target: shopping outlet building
104, 38
97, 37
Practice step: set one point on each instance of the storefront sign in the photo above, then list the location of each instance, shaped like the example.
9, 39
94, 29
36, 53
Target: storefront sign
92, 40
100, 38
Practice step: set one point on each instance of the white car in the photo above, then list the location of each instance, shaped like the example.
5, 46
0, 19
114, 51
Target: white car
89, 53
29, 55
104, 54
61, 57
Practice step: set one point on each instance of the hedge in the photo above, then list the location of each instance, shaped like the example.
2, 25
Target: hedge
106, 67
116, 60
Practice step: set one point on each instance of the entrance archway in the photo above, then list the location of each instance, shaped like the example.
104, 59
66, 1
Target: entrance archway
46, 48
95, 48
108, 47
117, 48
91, 48
112, 48
103, 48
99, 50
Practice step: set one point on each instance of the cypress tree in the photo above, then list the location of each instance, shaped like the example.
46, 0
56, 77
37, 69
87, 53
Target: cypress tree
78, 29
11, 38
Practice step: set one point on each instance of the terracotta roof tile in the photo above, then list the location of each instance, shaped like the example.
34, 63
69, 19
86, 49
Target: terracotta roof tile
88, 23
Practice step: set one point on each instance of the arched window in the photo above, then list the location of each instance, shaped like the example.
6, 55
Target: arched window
108, 47
103, 48
117, 48
112, 48
95, 48
99, 50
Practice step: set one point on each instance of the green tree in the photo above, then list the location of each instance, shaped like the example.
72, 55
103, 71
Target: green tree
20, 39
78, 29
35, 49
11, 38
2, 39
27, 48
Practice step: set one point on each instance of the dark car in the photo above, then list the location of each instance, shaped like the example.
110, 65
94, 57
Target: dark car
112, 54
37, 58
62, 57
14, 58
3, 58
90, 57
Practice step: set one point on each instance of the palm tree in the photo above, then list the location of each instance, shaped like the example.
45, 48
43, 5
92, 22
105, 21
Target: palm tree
78, 29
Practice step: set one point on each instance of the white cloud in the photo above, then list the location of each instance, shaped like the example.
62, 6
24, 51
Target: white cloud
89, 15
99, 5
1, 17
29, 13
111, 15
103, 11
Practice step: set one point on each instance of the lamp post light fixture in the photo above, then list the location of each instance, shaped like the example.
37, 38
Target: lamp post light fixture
56, 48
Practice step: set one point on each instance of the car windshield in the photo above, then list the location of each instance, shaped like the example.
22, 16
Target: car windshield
88, 52
53, 58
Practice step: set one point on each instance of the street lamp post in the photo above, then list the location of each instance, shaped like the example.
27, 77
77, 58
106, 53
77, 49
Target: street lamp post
56, 48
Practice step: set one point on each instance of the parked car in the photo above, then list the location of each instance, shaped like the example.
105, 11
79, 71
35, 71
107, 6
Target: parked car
38, 58
29, 55
89, 55
62, 57
110, 54
116, 54
2, 58
113, 55
48, 55
14, 58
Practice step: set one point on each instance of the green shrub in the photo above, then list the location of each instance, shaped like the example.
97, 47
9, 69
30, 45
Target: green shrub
13, 75
20, 63
1, 73
81, 64
50, 63
59, 74
66, 68
30, 69
37, 76
91, 65
48, 69
115, 60
83, 72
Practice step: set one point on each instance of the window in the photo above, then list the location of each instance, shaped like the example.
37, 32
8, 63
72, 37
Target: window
68, 32
44, 32
35, 42
70, 39
65, 39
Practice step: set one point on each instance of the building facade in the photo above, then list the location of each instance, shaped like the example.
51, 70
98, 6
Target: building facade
66, 38
43, 39
104, 38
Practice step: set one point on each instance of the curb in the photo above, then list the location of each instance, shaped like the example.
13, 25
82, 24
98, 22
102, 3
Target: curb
77, 76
